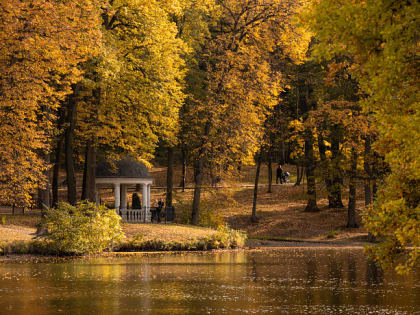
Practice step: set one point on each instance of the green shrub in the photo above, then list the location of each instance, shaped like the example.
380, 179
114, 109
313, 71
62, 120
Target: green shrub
3, 220
15, 247
84, 229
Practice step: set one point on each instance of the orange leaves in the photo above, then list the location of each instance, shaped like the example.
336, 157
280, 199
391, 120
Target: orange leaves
334, 69
382, 40
42, 43
242, 80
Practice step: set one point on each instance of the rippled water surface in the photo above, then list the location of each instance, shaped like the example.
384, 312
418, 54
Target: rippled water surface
284, 281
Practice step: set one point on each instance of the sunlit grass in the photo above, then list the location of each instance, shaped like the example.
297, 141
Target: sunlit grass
167, 232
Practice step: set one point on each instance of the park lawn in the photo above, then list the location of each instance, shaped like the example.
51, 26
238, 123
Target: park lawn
11, 232
281, 213
18, 227
166, 232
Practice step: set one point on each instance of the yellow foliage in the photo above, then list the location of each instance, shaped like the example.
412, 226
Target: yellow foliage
224, 118
134, 87
42, 43
382, 39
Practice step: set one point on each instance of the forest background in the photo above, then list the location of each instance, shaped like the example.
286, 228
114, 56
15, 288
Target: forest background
329, 86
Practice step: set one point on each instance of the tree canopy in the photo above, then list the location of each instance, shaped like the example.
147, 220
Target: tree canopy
42, 44
381, 37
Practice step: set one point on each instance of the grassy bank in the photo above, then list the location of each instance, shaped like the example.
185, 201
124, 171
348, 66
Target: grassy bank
184, 238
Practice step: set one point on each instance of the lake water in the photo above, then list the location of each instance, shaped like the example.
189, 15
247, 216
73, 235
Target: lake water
283, 281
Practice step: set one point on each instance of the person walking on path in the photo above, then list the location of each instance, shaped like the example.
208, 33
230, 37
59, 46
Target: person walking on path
279, 174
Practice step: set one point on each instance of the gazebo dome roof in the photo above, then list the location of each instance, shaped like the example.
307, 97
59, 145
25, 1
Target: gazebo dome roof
125, 168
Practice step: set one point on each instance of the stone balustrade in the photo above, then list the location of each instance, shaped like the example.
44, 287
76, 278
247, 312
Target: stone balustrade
135, 215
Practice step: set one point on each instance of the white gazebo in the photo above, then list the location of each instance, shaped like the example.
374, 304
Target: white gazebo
121, 174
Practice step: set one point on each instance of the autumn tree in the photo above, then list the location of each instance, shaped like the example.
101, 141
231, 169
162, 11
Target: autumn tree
131, 92
345, 116
301, 101
42, 43
337, 107
233, 86
382, 39
192, 19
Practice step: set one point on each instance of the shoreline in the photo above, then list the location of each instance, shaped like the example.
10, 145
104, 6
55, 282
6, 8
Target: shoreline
253, 245
296, 243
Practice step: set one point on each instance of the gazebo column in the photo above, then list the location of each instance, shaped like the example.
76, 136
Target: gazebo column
117, 196
144, 198
123, 196
144, 195
123, 208
148, 196
148, 213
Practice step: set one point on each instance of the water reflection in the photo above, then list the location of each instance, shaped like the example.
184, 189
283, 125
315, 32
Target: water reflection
286, 281
311, 274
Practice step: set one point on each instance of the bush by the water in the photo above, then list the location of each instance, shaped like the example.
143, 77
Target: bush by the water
84, 229
224, 238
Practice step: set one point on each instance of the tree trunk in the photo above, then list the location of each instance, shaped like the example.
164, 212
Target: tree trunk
90, 172
198, 175
351, 214
368, 193
374, 190
371, 237
58, 158
212, 177
368, 172
69, 148
198, 181
270, 173
56, 172
90, 162
337, 179
282, 153
326, 169
299, 174
257, 176
85, 167
310, 173
169, 177
44, 194
184, 169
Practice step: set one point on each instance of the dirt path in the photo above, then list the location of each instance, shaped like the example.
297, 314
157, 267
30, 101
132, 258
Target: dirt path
224, 186
15, 232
